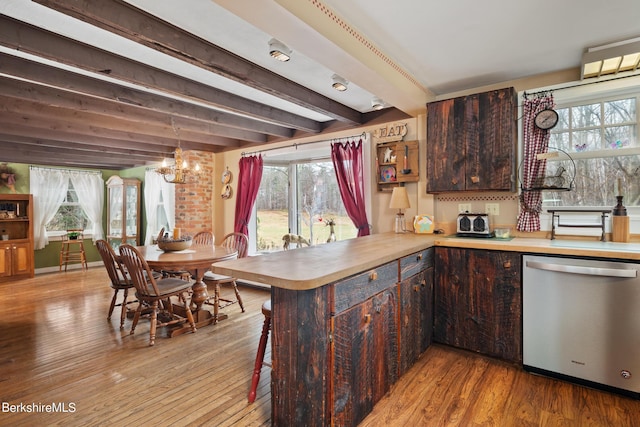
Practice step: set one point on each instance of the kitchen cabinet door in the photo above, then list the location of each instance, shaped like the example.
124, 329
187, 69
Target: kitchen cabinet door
471, 142
446, 148
416, 317
478, 301
365, 356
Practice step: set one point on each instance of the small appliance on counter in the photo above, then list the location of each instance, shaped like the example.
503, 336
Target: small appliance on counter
473, 225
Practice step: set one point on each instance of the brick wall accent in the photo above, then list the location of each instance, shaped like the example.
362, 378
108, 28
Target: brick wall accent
194, 200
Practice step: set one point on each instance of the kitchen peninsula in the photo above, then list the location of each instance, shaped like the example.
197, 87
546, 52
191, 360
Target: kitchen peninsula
336, 337
350, 317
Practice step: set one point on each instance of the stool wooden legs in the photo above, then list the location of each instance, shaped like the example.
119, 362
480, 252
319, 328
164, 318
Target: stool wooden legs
262, 346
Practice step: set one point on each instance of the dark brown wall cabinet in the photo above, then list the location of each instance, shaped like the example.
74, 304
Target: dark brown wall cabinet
471, 142
478, 301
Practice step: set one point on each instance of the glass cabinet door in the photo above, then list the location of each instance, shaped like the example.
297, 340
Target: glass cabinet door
123, 223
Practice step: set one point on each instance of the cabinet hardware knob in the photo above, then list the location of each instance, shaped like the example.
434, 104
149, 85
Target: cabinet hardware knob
423, 282
416, 288
367, 318
419, 257
475, 179
373, 275
507, 264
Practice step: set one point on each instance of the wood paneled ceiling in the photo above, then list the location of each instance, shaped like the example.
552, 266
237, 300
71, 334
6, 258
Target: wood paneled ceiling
70, 103
115, 84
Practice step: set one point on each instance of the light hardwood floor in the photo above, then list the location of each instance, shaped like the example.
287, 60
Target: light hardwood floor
58, 348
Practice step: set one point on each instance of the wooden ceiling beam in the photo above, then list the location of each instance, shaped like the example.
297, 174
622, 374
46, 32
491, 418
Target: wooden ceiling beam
48, 96
134, 138
61, 118
24, 153
21, 36
80, 84
63, 137
93, 149
134, 24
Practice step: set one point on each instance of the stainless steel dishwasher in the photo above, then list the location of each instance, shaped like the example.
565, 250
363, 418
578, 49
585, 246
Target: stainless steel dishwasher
581, 321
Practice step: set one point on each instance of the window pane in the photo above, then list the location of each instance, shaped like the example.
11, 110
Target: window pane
319, 203
621, 111
587, 140
620, 136
586, 116
563, 119
272, 206
595, 182
316, 205
560, 141
70, 214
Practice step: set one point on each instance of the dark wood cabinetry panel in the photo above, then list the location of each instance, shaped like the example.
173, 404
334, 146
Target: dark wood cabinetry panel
365, 342
478, 301
416, 317
471, 142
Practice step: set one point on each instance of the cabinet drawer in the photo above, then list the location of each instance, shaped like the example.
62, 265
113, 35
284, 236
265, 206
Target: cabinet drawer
415, 263
356, 289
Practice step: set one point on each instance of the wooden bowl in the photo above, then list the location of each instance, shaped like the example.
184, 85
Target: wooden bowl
168, 245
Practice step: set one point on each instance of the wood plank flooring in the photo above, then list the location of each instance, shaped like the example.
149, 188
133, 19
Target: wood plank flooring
56, 347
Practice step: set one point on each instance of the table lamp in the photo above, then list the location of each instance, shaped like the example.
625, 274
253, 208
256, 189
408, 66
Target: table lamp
399, 200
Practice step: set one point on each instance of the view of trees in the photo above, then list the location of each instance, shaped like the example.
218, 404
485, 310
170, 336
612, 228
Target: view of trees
602, 128
315, 197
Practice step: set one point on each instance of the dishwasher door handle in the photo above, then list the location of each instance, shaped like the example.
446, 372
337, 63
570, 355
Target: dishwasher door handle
576, 269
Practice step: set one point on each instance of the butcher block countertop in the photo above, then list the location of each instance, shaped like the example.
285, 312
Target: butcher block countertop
315, 266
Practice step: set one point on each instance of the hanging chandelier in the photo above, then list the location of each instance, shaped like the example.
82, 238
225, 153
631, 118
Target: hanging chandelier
179, 172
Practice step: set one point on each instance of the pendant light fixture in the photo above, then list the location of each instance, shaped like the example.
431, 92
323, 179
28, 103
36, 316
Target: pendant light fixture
179, 172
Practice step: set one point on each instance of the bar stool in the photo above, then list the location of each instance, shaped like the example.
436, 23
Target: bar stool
72, 249
262, 346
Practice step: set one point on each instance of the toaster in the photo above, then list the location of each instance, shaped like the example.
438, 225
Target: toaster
473, 225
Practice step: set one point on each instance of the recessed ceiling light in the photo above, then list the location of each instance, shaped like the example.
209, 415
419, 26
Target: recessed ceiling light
279, 50
377, 103
339, 83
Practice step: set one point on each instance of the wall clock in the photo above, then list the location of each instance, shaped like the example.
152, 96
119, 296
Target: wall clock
546, 119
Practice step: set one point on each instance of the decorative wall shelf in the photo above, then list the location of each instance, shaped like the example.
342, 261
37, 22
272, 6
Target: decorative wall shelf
396, 162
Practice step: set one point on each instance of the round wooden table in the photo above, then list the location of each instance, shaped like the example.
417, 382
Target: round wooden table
197, 260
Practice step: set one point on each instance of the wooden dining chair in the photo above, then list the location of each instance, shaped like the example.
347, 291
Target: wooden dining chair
120, 279
153, 291
240, 243
203, 238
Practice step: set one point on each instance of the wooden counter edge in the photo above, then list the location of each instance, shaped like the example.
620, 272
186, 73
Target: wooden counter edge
399, 246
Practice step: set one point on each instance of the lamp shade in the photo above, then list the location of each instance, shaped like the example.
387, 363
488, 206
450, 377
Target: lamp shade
399, 198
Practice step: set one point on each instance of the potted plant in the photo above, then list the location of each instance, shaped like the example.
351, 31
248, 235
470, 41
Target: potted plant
73, 235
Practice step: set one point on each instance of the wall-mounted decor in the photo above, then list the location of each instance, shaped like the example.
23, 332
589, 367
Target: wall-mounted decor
8, 177
226, 187
389, 133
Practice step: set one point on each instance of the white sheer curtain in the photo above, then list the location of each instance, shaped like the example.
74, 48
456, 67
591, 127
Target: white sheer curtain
89, 187
169, 198
49, 188
155, 187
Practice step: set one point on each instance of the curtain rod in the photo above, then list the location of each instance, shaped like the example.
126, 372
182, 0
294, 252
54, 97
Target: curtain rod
296, 144
577, 85
65, 170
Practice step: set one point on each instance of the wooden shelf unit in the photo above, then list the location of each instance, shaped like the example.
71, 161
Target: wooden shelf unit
390, 173
16, 253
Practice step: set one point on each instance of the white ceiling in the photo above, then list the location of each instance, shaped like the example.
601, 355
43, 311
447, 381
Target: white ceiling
406, 52
446, 46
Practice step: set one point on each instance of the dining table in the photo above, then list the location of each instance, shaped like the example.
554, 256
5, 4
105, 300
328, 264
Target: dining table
197, 260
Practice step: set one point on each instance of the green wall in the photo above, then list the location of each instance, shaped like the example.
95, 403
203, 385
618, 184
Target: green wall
49, 256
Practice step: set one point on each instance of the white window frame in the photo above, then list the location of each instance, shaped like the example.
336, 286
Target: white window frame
605, 90
320, 151
55, 235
